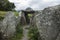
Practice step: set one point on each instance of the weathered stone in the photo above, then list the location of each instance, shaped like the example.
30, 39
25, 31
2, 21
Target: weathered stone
48, 23
23, 19
58, 37
9, 24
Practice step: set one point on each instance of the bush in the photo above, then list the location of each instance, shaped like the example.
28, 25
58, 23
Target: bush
33, 33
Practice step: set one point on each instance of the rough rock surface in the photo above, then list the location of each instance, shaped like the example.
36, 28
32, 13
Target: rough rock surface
18, 18
48, 23
23, 19
9, 24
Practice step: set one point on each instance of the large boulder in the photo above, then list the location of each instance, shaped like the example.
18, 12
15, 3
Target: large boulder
48, 23
9, 24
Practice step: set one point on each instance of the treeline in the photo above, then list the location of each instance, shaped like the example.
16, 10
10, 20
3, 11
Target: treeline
5, 5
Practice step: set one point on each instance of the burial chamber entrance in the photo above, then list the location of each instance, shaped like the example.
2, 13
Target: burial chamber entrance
28, 14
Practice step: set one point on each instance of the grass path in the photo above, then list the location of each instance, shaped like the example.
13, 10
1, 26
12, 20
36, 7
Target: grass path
25, 32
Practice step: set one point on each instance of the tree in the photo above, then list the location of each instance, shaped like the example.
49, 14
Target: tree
29, 9
5, 5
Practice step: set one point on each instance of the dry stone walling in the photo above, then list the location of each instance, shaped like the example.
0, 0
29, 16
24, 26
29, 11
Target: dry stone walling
48, 23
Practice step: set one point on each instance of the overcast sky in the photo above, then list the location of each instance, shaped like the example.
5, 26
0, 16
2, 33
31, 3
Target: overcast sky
35, 4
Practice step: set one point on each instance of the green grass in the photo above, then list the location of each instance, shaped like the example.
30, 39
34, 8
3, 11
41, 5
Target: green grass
19, 33
33, 33
2, 13
18, 36
16, 13
29, 14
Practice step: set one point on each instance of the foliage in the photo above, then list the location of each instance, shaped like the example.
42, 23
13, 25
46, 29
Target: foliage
16, 13
19, 28
19, 33
29, 9
33, 33
1, 18
5, 5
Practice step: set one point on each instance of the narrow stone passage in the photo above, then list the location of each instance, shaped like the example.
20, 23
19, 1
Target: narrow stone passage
25, 32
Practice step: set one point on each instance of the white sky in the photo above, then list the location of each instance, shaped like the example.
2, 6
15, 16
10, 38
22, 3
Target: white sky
35, 4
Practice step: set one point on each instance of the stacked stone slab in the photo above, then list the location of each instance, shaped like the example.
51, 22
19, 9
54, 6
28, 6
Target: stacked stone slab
48, 23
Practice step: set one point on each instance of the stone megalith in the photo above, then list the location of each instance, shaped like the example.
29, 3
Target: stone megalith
48, 23
9, 24
23, 19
